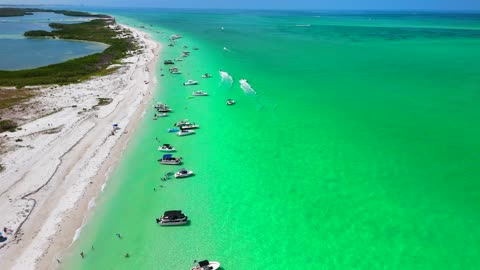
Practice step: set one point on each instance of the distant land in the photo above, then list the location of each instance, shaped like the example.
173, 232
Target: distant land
100, 29
13, 12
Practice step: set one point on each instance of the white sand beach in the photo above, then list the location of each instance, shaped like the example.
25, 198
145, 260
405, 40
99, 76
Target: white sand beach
55, 165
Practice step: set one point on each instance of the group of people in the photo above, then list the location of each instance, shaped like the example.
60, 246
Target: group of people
118, 235
3, 238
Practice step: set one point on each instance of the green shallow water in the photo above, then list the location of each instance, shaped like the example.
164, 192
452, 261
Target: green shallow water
359, 151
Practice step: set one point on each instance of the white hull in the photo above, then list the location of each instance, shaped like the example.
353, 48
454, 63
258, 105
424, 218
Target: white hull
166, 150
190, 127
171, 162
211, 265
181, 175
172, 223
190, 83
181, 134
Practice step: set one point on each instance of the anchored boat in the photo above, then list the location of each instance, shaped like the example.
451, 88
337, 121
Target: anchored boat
185, 132
190, 82
166, 148
172, 218
199, 93
182, 173
169, 159
206, 265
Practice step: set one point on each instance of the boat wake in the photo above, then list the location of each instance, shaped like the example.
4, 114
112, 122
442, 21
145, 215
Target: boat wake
247, 88
226, 78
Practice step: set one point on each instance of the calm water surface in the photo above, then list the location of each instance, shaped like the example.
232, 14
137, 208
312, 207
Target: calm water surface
358, 151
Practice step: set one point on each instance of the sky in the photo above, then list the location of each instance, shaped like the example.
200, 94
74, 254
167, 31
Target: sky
465, 5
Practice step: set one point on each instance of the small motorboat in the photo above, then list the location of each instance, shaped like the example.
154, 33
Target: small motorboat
190, 82
168, 62
168, 159
174, 70
166, 148
185, 132
182, 122
173, 130
182, 173
199, 93
206, 265
230, 102
172, 218
175, 36
161, 114
189, 126
160, 107
206, 75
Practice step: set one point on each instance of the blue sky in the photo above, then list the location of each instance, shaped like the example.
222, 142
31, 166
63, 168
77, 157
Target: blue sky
274, 4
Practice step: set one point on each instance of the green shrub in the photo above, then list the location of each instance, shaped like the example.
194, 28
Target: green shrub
7, 125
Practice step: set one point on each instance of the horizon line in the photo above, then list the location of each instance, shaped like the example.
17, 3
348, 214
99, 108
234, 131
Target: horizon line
247, 8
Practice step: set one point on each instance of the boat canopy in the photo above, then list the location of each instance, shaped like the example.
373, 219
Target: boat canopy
167, 156
182, 170
166, 145
173, 214
203, 263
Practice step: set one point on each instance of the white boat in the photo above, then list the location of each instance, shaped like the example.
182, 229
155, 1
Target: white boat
174, 70
175, 36
168, 159
182, 122
185, 132
206, 75
206, 265
199, 93
230, 102
166, 148
161, 114
189, 126
182, 173
190, 82
172, 218
163, 108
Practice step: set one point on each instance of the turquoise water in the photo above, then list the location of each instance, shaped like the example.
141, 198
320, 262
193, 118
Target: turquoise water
358, 151
18, 52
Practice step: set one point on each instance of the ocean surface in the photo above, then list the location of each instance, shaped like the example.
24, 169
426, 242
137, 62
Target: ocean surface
18, 52
353, 146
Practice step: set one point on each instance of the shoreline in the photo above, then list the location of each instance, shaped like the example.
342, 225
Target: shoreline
50, 185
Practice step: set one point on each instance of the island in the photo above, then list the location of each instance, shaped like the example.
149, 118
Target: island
100, 29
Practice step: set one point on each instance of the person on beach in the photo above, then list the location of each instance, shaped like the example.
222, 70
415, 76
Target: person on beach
58, 261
